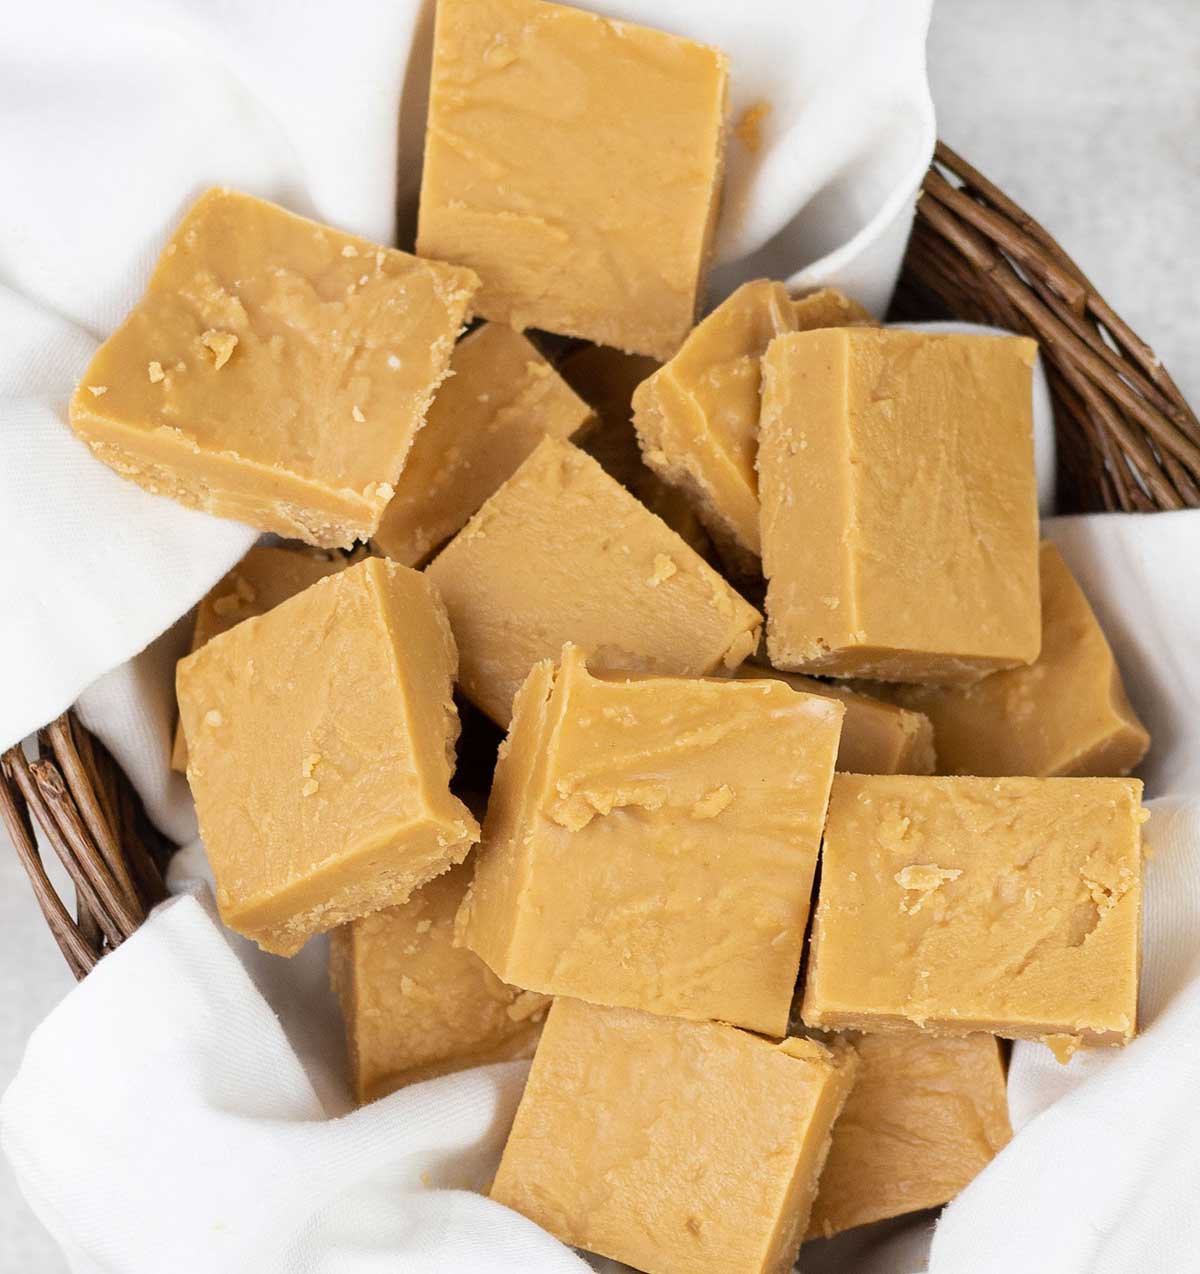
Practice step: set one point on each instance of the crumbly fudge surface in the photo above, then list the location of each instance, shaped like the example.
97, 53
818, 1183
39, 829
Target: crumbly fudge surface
539, 114
926, 1115
899, 512
275, 370
1066, 714
320, 746
416, 1005
501, 399
677, 1147
651, 842
1009, 905
562, 553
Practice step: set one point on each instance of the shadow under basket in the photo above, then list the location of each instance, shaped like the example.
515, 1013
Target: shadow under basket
1126, 441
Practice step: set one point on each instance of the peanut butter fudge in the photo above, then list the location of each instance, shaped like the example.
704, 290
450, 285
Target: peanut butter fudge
563, 553
1009, 905
827, 307
606, 378
575, 163
877, 738
1066, 714
697, 417
417, 1006
924, 1118
677, 1147
320, 746
275, 371
651, 842
501, 398
899, 509
265, 577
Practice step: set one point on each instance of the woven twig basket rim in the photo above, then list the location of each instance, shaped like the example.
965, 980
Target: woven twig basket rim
1126, 439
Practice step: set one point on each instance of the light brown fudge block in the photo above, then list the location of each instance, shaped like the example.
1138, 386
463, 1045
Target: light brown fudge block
275, 370
562, 553
924, 1118
575, 163
320, 747
697, 416
265, 577
651, 842
1066, 714
1008, 905
501, 398
606, 378
827, 307
877, 737
899, 509
415, 1005
677, 1147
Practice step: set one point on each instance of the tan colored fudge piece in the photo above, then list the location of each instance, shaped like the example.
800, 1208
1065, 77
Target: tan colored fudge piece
265, 577
1066, 714
562, 553
606, 378
575, 163
924, 1118
320, 747
275, 370
828, 307
502, 397
1009, 905
677, 1147
651, 842
414, 1004
899, 509
877, 738
697, 416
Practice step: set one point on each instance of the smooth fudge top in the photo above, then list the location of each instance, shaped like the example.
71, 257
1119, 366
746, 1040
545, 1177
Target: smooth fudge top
275, 370
574, 163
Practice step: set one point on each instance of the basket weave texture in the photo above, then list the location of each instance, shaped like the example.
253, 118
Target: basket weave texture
1126, 440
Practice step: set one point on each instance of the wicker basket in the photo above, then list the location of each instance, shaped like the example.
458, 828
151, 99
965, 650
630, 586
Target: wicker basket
1126, 441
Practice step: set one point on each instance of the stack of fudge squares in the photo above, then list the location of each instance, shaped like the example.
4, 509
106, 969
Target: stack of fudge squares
759, 905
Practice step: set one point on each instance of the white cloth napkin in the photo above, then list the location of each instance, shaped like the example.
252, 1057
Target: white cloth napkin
165, 1118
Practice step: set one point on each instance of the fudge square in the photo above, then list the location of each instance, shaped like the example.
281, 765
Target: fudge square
1009, 905
1066, 714
899, 511
575, 163
563, 553
320, 744
265, 577
877, 737
415, 1005
651, 842
501, 398
926, 1115
677, 1147
697, 416
275, 370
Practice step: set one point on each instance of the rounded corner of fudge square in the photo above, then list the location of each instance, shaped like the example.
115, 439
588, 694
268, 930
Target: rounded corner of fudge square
740, 1129
1011, 906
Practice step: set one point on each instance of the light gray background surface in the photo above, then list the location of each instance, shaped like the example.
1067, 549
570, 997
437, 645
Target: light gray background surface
1087, 112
